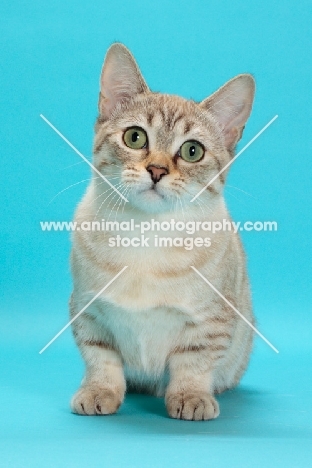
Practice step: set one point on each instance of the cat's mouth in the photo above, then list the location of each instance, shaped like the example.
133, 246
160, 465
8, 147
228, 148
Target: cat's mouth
152, 191
152, 198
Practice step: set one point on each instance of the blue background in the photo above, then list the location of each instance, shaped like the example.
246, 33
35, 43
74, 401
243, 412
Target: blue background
51, 57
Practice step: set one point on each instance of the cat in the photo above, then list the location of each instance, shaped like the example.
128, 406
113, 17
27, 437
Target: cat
158, 328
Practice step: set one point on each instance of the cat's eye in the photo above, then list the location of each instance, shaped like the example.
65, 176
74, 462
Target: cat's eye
135, 138
191, 151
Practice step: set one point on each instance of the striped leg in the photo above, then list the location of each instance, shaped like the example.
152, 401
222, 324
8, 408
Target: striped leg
188, 395
190, 392
103, 387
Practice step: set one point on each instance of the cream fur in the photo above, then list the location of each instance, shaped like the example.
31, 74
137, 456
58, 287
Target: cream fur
158, 327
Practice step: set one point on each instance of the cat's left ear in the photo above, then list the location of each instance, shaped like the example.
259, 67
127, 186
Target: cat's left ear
121, 79
231, 106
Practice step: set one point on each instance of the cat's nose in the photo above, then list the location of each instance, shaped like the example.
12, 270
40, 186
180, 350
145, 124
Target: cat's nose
157, 172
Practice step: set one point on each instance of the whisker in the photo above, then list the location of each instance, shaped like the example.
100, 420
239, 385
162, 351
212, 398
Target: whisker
126, 195
121, 186
67, 167
181, 208
104, 182
125, 190
70, 186
176, 201
111, 192
113, 205
200, 203
231, 194
246, 193
205, 207
102, 193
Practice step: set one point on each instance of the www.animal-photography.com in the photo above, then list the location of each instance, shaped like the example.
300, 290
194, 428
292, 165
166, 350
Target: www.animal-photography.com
156, 305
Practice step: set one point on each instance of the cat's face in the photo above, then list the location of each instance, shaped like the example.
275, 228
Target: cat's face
166, 150
161, 150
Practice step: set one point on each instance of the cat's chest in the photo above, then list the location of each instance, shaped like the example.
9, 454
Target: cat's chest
152, 278
144, 339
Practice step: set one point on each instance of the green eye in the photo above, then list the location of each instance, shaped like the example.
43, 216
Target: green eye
135, 138
191, 151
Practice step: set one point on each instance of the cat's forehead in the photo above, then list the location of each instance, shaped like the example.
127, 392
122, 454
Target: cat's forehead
166, 111
168, 116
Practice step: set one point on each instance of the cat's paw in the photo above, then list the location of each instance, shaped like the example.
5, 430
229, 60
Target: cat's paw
90, 400
192, 406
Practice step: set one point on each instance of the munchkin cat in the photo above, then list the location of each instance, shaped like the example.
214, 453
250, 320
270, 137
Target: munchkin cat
158, 328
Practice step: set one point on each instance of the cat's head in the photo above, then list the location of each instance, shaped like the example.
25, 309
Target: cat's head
160, 150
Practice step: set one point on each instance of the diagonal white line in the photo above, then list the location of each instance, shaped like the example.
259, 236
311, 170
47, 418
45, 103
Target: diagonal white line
232, 160
235, 310
82, 310
83, 157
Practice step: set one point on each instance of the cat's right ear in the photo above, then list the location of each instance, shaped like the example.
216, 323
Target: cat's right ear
231, 107
121, 79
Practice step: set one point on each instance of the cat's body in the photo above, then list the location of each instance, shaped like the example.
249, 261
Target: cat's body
158, 327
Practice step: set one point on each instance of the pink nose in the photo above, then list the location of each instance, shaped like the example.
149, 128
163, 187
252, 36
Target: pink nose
157, 172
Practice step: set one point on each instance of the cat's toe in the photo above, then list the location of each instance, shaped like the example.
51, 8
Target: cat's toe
192, 406
91, 400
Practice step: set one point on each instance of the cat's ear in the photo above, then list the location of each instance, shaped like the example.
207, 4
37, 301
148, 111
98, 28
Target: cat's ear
121, 79
231, 107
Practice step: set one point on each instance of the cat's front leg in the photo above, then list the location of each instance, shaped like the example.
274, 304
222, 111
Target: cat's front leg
103, 387
188, 395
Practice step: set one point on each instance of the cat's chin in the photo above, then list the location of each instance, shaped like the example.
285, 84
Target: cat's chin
150, 200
